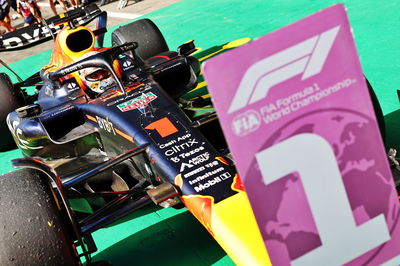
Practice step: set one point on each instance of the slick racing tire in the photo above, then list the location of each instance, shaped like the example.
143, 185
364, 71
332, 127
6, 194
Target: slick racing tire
31, 229
149, 38
9, 102
378, 110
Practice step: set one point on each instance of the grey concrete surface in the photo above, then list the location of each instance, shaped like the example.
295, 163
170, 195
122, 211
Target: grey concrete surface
116, 16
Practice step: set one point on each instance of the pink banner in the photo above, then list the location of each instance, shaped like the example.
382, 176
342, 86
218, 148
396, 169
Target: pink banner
296, 112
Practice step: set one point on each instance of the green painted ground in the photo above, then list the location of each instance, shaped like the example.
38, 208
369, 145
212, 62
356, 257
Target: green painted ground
171, 237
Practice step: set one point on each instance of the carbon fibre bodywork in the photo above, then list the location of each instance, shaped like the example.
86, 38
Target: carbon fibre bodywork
134, 144
71, 124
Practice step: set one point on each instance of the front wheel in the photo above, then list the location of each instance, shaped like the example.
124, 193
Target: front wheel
9, 102
32, 231
148, 36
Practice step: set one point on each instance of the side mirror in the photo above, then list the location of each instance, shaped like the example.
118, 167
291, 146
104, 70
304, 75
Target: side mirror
187, 48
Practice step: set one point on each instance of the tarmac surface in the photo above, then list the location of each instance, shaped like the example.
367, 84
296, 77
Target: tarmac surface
132, 10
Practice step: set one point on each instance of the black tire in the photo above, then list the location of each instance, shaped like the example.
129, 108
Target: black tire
145, 33
378, 111
9, 102
31, 229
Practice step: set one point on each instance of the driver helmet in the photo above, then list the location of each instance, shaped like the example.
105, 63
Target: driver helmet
97, 80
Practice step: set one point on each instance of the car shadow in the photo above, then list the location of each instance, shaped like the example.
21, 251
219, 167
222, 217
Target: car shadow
178, 240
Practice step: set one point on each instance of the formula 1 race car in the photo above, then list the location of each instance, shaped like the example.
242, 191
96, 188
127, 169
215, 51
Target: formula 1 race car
108, 127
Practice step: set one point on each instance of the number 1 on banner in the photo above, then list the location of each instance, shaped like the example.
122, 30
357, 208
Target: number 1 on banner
313, 158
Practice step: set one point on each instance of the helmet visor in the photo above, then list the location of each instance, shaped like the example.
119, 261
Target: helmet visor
98, 75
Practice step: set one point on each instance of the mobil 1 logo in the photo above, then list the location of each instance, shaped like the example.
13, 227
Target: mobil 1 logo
210, 177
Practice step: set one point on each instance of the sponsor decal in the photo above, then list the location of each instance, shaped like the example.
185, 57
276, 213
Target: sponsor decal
137, 102
133, 86
29, 36
186, 165
169, 143
190, 153
200, 158
116, 93
174, 141
126, 64
133, 76
175, 159
205, 157
105, 124
109, 127
71, 86
110, 95
183, 148
211, 182
195, 171
207, 184
175, 149
37, 32
48, 90
206, 175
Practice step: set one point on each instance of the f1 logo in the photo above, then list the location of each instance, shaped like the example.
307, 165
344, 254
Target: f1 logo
307, 57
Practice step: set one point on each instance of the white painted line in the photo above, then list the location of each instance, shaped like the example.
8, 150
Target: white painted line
110, 14
123, 15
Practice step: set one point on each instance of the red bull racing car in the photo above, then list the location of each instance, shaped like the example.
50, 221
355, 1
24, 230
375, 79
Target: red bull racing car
108, 127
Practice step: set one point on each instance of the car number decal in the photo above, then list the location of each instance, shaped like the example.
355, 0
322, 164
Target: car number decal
163, 126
